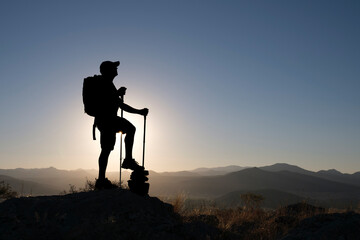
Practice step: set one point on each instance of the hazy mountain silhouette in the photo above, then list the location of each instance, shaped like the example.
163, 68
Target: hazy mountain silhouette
272, 199
335, 175
50, 172
285, 167
217, 170
205, 171
254, 179
331, 186
49, 181
331, 174
25, 188
181, 174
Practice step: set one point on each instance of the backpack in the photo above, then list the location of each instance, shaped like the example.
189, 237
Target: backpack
90, 95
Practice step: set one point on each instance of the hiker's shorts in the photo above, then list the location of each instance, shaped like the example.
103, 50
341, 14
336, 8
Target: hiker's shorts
108, 128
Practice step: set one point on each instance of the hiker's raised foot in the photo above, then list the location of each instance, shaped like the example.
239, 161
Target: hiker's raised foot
131, 164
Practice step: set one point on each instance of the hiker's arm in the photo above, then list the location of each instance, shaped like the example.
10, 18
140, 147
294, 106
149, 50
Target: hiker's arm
130, 109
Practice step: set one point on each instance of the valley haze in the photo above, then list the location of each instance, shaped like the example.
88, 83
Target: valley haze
279, 184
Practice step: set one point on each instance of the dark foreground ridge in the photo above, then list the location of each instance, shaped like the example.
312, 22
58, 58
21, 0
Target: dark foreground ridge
108, 214
327, 226
121, 214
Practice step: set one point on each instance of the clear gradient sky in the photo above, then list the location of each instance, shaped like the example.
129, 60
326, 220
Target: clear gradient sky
248, 83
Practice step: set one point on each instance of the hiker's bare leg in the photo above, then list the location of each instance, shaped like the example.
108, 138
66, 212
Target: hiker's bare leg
129, 141
103, 161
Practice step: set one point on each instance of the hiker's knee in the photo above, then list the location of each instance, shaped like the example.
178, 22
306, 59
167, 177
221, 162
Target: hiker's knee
132, 129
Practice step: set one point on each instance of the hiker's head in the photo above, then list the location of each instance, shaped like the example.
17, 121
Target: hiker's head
109, 69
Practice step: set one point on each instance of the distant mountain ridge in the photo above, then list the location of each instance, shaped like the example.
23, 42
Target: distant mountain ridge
24, 187
217, 170
289, 181
285, 167
272, 198
331, 174
256, 179
50, 181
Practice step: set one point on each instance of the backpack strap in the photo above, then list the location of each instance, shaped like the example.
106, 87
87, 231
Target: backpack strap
93, 130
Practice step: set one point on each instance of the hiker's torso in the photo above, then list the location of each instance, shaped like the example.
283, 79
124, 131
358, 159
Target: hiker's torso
108, 100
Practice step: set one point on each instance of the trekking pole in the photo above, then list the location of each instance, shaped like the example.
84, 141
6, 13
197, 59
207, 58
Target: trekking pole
143, 158
122, 112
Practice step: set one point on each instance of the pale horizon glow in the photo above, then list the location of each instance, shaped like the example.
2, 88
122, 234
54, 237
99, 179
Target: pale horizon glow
227, 83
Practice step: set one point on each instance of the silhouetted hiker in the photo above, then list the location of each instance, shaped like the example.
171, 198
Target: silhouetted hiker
102, 101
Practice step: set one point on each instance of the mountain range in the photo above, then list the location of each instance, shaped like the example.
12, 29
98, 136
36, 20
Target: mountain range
279, 183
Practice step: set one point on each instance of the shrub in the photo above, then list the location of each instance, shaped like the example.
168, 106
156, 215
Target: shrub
251, 201
6, 191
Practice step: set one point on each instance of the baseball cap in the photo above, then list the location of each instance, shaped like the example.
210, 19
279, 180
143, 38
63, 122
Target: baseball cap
108, 65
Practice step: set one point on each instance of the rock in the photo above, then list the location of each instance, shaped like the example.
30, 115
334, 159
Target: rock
107, 214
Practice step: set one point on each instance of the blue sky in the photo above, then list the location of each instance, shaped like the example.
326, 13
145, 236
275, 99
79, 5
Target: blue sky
248, 83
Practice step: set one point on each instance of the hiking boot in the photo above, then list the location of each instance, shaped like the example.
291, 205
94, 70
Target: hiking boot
108, 184
99, 184
131, 164
104, 184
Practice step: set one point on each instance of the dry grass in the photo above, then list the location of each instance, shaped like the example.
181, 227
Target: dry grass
90, 186
178, 203
249, 222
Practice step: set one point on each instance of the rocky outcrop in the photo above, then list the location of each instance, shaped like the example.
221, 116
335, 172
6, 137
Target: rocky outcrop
108, 214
